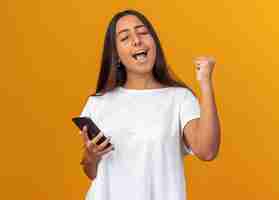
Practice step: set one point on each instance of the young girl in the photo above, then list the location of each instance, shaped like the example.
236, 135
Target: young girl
151, 119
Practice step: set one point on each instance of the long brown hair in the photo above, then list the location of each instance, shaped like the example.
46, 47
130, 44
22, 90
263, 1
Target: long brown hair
113, 73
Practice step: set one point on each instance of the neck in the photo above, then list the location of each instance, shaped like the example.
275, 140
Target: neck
136, 81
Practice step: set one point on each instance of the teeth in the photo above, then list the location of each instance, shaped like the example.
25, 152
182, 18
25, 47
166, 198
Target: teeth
141, 57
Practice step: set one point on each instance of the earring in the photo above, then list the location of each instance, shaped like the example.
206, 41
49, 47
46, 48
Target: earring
118, 65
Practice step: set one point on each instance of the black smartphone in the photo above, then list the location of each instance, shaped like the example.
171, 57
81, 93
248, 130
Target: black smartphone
92, 128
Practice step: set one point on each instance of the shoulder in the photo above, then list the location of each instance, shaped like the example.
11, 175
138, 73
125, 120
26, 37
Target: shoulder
93, 100
184, 92
99, 98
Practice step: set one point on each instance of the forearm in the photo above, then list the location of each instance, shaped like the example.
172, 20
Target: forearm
208, 136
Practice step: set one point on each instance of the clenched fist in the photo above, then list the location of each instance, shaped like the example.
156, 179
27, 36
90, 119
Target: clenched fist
204, 68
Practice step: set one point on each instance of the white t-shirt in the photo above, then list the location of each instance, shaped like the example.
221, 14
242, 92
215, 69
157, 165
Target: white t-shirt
146, 129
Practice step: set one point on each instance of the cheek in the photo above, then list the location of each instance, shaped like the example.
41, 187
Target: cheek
153, 47
122, 52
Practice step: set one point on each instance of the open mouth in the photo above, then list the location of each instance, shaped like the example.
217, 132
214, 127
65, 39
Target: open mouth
140, 55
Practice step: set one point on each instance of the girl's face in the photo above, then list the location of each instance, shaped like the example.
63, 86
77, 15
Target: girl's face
135, 45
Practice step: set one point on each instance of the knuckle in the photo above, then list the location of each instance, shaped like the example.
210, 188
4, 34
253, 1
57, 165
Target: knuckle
105, 143
106, 140
99, 148
109, 149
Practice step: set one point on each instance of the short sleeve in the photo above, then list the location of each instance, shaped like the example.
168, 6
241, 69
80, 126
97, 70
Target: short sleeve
89, 109
86, 108
189, 109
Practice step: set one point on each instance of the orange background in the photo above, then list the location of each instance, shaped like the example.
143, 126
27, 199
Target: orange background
50, 55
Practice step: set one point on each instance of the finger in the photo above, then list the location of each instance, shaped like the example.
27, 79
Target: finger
197, 62
84, 135
92, 145
104, 144
206, 60
97, 138
200, 58
101, 153
201, 61
198, 65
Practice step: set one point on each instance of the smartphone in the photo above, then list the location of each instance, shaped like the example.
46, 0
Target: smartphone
92, 128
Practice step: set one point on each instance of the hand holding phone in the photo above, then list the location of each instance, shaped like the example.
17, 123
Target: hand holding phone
92, 129
93, 153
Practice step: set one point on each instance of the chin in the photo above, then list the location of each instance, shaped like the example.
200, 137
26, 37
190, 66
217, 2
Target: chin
143, 69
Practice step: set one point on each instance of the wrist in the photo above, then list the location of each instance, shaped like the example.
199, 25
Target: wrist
205, 83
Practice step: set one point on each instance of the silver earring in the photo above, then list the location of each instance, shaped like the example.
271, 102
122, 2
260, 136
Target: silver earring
118, 65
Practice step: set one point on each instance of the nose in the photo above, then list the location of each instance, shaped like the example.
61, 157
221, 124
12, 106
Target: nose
136, 40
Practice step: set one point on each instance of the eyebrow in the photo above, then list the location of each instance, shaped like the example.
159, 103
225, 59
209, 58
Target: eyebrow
136, 27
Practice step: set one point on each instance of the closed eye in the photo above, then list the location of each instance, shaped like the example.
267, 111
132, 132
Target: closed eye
141, 33
144, 33
123, 39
